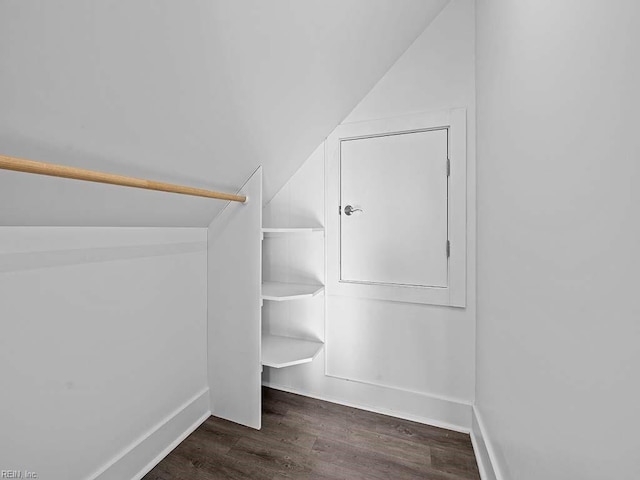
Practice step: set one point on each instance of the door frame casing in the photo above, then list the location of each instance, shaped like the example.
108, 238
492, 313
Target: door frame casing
455, 294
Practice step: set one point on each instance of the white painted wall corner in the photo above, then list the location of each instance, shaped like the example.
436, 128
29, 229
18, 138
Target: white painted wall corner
483, 449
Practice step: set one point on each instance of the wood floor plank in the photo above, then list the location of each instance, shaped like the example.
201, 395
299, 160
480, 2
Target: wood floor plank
214, 466
316, 425
372, 464
307, 439
417, 453
276, 429
271, 458
210, 439
302, 404
417, 432
176, 466
274, 407
321, 470
461, 464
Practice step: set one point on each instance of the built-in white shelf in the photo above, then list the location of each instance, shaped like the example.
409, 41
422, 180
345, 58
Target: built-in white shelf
272, 231
279, 352
280, 292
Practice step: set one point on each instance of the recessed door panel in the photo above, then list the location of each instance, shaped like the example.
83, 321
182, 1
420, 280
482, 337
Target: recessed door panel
393, 196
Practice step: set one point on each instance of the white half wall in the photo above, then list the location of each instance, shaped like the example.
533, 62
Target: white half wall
102, 349
558, 235
410, 360
234, 298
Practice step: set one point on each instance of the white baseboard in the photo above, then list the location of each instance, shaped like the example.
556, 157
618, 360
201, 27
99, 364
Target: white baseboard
135, 461
483, 449
413, 406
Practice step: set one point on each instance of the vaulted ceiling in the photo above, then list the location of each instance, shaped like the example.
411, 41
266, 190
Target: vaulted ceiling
197, 92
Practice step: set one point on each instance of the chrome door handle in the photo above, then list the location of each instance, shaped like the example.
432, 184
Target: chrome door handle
348, 210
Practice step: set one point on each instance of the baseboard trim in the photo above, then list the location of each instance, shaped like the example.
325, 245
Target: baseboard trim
400, 389
481, 456
483, 449
136, 460
463, 412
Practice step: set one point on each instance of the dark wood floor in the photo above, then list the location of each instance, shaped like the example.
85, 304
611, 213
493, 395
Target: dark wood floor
304, 438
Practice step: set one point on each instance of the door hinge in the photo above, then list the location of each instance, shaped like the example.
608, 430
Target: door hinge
448, 248
339, 209
448, 167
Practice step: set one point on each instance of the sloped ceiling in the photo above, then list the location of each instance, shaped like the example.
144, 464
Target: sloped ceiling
197, 92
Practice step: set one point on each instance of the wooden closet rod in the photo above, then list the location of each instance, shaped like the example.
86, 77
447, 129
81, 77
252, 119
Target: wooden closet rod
53, 170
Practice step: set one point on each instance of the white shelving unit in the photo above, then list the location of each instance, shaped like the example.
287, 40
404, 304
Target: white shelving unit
279, 351
279, 292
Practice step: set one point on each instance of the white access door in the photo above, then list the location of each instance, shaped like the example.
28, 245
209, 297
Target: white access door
399, 182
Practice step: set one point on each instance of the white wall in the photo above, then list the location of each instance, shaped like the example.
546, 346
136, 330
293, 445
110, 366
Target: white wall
558, 235
197, 92
412, 360
103, 341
